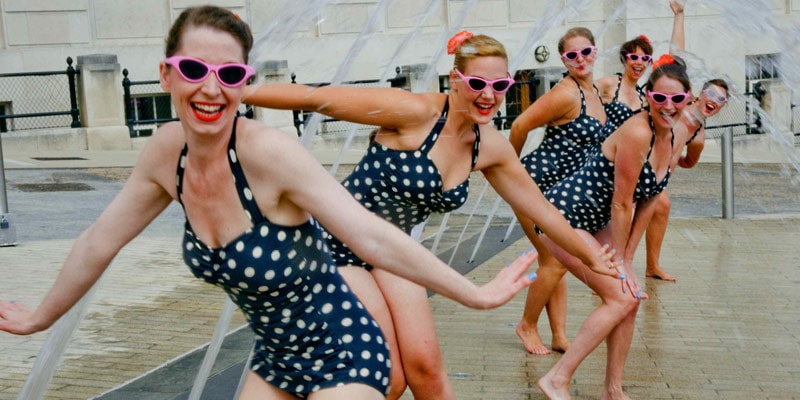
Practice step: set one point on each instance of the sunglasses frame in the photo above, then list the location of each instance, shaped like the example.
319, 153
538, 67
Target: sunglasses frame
713, 96
630, 56
669, 97
467, 78
566, 54
176, 61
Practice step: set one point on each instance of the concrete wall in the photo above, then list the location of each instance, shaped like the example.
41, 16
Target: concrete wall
315, 35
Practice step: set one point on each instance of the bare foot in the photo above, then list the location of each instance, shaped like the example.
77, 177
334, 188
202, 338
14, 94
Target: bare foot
658, 273
616, 395
552, 390
560, 343
531, 339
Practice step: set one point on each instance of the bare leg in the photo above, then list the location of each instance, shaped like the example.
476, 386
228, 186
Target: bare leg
416, 337
256, 388
363, 284
654, 238
615, 310
548, 290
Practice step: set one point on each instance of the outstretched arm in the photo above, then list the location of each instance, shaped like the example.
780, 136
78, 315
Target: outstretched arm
136, 205
510, 180
677, 42
386, 107
287, 166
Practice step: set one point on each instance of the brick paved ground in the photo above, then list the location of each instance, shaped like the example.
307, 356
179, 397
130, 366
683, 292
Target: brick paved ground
729, 329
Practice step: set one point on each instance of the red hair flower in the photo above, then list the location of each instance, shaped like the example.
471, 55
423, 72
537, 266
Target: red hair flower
645, 38
663, 60
456, 40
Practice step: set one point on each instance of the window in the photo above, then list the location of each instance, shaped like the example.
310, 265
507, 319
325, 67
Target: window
148, 111
5, 123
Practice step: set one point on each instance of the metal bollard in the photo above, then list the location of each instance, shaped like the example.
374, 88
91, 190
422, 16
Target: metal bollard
8, 233
727, 173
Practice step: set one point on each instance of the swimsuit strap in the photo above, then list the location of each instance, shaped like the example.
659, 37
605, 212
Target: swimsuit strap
437, 129
476, 146
619, 86
583, 99
653, 138
695, 134
250, 205
242, 188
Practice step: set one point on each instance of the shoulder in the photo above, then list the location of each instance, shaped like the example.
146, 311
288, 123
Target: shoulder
606, 82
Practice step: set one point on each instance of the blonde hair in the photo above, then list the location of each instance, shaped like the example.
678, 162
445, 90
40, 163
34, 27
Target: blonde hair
478, 46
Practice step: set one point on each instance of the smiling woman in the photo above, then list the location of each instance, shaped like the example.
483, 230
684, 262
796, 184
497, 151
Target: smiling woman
419, 162
253, 200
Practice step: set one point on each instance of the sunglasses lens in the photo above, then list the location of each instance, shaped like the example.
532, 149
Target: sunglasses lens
571, 55
193, 70
646, 58
501, 86
586, 51
659, 98
476, 84
232, 75
678, 98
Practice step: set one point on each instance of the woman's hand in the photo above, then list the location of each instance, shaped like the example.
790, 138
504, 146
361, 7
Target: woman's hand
677, 6
630, 283
606, 264
508, 282
16, 318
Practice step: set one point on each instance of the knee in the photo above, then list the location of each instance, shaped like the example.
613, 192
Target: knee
427, 371
663, 205
397, 386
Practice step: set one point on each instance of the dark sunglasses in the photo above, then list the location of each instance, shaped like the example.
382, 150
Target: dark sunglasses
477, 84
572, 55
194, 70
661, 98
646, 58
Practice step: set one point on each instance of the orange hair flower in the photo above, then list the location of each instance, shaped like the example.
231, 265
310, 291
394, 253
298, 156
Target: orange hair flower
456, 40
663, 60
645, 38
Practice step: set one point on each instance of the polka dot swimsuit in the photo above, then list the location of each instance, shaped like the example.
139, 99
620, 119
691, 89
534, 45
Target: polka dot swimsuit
403, 187
619, 112
311, 331
564, 148
584, 198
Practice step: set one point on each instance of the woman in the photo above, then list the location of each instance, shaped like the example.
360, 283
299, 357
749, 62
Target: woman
621, 93
425, 148
252, 198
612, 190
690, 129
575, 121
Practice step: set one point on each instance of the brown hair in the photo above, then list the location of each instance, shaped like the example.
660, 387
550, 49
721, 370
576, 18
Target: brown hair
212, 17
573, 32
478, 46
631, 45
675, 70
717, 82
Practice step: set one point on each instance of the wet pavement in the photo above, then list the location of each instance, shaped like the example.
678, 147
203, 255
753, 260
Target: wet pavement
728, 329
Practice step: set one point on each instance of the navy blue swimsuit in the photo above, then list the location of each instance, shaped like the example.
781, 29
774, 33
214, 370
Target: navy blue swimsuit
584, 198
565, 148
311, 331
403, 187
619, 112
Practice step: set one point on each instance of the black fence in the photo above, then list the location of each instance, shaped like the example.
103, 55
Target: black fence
146, 105
39, 100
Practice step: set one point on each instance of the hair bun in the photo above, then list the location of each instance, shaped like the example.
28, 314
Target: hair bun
456, 40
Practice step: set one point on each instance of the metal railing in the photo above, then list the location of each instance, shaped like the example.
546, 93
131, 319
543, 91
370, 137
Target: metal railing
21, 94
142, 107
